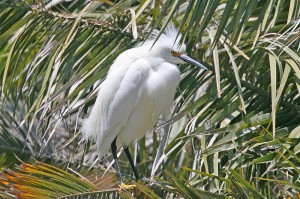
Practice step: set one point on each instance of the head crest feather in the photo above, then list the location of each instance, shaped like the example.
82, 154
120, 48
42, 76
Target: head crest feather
170, 36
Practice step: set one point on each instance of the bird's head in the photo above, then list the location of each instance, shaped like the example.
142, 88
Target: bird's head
169, 48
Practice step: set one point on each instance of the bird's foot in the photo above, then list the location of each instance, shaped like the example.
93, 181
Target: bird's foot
127, 186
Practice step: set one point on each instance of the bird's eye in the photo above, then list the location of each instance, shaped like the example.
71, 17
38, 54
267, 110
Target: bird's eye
175, 53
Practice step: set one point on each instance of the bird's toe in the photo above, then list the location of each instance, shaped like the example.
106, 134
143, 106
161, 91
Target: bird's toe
127, 186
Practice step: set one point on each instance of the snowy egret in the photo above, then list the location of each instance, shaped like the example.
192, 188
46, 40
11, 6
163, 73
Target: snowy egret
140, 86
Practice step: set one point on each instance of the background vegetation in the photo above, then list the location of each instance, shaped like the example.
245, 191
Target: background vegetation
234, 131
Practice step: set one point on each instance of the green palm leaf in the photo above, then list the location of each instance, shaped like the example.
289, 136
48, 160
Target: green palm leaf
238, 121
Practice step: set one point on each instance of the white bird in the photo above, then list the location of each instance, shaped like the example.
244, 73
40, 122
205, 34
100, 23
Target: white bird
140, 86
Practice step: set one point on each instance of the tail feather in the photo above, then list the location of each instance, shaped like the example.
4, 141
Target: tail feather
91, 131
88, 130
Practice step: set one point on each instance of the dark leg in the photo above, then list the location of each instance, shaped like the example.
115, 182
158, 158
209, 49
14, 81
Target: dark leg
114, 152
136, 174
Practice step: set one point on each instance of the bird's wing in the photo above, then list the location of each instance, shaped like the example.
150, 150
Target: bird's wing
120, 95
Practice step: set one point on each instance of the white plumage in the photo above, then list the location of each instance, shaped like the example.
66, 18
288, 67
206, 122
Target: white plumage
140, 86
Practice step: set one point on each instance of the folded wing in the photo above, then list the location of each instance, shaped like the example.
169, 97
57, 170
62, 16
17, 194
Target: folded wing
118, 97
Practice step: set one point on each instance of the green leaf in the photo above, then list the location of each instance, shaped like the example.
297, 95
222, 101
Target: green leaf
245, 184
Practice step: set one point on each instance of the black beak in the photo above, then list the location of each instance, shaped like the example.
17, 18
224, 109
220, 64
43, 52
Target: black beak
190, 60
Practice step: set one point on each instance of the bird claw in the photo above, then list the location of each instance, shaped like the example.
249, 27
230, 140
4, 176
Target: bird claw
126, 186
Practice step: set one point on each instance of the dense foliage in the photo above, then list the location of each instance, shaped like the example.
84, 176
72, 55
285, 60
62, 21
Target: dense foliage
234, 131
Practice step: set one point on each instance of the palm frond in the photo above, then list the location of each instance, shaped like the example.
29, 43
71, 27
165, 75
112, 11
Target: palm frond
238, 121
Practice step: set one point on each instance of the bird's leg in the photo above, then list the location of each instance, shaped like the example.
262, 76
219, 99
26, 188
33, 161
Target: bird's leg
114, 152
136, 174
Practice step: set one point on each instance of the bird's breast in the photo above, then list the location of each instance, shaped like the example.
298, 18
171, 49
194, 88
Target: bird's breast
161, 85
